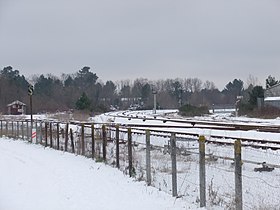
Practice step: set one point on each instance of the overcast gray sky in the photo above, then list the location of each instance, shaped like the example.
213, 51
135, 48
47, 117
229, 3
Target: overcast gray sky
216, 40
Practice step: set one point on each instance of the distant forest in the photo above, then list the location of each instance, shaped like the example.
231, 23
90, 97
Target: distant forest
84, 90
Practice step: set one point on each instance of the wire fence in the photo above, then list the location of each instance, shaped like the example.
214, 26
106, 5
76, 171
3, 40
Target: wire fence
201, 172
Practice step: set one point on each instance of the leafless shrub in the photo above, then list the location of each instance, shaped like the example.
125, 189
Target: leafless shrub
214, 198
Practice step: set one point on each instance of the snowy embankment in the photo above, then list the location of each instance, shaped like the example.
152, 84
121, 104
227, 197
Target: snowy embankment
35, 178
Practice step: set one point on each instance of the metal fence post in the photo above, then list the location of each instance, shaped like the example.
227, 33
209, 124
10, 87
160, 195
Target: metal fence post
117, 146
148, 158
202, 179
129, 145
238, 175
174, 165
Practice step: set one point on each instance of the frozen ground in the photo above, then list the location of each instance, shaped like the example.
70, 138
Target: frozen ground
74, 188
35, 178
260, 190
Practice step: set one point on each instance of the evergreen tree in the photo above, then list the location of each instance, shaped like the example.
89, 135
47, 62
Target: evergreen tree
83, 102
257, 92
270, 81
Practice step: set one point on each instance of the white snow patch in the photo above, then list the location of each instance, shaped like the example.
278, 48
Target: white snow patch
34, 178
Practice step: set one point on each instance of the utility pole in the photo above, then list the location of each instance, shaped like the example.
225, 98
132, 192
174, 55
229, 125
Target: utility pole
155, 100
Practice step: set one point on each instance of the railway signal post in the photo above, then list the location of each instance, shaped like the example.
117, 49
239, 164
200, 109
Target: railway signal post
30, 93
155, 101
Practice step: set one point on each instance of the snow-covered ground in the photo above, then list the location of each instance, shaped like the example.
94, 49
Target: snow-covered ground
75, 185
35, 178
260, 190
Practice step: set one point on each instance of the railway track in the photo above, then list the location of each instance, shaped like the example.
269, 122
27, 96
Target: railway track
193, 123
186, 123
184, 127
214, 139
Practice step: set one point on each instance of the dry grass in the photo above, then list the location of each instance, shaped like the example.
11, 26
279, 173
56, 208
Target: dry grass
76, 115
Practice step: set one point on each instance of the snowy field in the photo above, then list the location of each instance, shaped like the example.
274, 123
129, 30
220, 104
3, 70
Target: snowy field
35, 178
65, 181
260, 190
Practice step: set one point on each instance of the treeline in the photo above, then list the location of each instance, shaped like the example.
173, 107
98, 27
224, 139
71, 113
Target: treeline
84, 90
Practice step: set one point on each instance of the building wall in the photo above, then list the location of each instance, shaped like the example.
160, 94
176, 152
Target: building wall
16, 109
273, 91
273, 103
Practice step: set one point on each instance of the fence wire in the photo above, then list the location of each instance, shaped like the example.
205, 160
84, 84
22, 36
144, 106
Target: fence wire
260, 190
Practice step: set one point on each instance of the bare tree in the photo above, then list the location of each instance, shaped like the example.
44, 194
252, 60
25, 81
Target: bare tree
208, 85
192, 85
252, 81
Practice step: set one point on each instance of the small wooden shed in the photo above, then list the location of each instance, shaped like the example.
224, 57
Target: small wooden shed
16, 108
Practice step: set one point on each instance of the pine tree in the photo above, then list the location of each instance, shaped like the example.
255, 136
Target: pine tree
83, 102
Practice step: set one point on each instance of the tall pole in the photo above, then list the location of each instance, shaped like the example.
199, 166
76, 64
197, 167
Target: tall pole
31, 112
30, 93
155, 101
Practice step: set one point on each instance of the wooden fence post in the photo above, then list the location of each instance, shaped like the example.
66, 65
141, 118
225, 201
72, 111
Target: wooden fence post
22, 130
129, 145
117, 146
12, 128
57, 136
17, 129
27, 130
6, 128
238, 175
202, 179
92, 142
62, 133
66, 137
72, 140
148, 158
7, 124
83, 138
51, 140
41, 132
36, 128
174, 165
104, 142
46, 134
1, 128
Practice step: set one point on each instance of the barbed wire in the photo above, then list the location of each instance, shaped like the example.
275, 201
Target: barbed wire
226, 170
